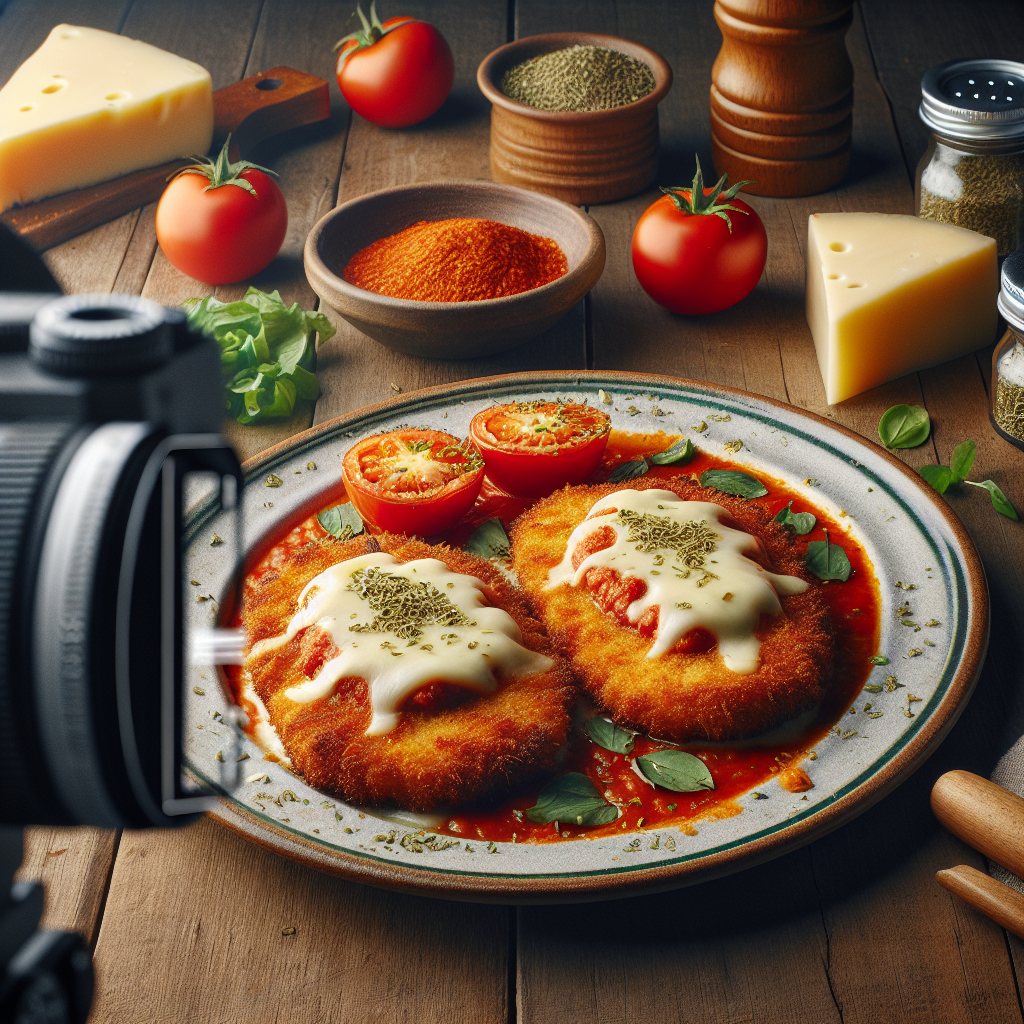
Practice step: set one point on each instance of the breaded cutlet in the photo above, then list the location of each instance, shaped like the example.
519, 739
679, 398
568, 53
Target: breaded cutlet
687, 693
453, 748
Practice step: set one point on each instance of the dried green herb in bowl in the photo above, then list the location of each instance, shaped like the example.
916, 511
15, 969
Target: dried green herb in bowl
578, 78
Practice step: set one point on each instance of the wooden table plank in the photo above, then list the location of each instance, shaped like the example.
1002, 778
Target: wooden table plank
195, 932
712, 953
355, 370
956, 394
735, 347
916, 931
74, 865
341, 928
852, 928
746, 948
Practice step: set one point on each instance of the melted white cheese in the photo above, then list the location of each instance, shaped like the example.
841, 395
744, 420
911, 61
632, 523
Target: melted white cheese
263, 732
727, 603
472, 655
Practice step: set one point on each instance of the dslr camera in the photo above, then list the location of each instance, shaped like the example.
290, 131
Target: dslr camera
110, 416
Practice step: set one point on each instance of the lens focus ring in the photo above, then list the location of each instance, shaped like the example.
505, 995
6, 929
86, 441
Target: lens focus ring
100, 336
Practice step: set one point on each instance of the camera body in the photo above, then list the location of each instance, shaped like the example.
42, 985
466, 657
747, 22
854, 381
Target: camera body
109, 405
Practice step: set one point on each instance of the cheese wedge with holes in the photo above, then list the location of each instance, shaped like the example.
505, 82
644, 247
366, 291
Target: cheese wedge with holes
889, 294
89, 106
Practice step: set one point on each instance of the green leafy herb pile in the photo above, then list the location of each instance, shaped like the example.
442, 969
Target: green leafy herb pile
267, 352
907, 426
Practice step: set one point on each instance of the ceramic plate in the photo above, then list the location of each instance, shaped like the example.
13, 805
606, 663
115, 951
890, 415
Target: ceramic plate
904, 526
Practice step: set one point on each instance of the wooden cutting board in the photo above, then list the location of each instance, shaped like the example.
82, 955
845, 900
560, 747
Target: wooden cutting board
250, 111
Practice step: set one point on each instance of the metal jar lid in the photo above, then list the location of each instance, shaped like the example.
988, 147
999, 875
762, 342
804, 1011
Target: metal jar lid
975, 99
1011, 291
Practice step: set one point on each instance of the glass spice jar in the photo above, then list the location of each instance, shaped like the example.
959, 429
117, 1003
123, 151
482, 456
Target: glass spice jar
1007, 391
972, 173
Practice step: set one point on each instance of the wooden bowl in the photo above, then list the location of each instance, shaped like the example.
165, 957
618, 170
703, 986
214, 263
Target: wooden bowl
592, 156
452, 330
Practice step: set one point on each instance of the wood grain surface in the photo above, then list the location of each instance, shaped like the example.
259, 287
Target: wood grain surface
865, 881
190, 925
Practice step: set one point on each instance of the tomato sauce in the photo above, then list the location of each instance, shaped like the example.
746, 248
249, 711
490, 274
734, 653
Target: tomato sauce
737, 767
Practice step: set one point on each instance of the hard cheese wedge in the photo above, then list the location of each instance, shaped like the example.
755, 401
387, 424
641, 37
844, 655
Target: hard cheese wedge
889, 294
89, 106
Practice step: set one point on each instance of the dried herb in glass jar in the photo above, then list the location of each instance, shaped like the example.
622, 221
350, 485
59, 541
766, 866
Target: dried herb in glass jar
972, 174
1008, 359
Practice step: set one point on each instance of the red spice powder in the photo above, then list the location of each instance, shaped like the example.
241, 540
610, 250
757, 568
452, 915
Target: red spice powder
464, 259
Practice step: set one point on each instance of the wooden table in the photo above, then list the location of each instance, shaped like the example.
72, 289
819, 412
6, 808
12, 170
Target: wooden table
188, 925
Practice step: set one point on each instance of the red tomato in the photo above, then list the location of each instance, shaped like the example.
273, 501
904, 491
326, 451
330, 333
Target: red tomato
533, 448
397, 73
223, 235
698, 262
412, 481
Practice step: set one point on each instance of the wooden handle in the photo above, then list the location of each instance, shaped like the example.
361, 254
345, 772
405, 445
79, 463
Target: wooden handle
1004, 905
983, 815
251, 110
267, 104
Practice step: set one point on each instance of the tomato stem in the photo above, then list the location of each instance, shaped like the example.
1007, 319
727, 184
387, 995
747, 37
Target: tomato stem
223, 172
372, 31
693, 200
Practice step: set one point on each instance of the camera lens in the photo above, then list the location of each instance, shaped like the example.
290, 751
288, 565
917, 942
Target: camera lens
92, 639
100, 336
31, 454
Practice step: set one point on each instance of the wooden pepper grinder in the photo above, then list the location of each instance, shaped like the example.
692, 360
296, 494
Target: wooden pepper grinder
782, 94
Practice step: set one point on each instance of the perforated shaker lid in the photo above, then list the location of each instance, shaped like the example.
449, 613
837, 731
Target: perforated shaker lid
975, 99
1011, 289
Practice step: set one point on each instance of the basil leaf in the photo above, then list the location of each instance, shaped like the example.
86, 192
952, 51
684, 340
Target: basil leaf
679, 454
999, 500
962, 460
904, 426
608, 735
490, 541
828, 561
628, 471
342, 521
801, 522
940, 477
731, 481
676, 770
574, 800
878, 659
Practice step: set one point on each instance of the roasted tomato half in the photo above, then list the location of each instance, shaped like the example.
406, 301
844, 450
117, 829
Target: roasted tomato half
533, 448
413, 481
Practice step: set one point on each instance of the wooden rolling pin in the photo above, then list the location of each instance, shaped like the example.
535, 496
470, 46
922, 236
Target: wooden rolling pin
1004, 905
991, 819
